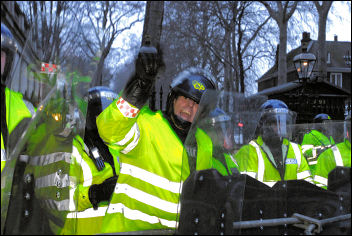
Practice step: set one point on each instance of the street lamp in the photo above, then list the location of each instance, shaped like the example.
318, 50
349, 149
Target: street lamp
304, 62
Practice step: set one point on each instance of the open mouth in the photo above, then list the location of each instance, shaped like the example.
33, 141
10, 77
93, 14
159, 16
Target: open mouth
186, 115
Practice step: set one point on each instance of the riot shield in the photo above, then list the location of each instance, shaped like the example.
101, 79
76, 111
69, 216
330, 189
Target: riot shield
241, 197
45, 111
213, 189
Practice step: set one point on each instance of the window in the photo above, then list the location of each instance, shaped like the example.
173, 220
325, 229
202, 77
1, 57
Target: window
336, 79
328, 61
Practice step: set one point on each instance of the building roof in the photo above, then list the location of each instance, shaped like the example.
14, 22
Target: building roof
337, 49
325, 86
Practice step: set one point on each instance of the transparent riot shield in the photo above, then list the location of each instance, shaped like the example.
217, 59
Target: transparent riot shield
319, 203
230, 184
213, 191
45, 111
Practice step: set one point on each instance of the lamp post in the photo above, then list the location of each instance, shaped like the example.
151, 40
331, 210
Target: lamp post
304, 62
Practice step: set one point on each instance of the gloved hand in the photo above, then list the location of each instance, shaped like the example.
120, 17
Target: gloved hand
101, 192
148, 63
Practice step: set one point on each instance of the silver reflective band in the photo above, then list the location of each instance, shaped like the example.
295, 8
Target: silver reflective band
321, 180
57, 205
50, 158
146, 198
56, 180
133, 132
151, 178
3, 155
337, 156
261, 166
87, 174
138, 215
88, 213
298, 155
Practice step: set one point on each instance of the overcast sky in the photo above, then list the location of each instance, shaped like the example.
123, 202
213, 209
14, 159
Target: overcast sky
341, 28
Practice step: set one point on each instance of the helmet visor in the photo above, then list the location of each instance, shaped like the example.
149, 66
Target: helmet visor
278, 122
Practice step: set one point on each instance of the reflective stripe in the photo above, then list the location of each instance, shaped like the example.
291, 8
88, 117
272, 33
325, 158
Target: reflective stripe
233, 160
134, 131
303, 174
3, 155
55, 179
151, 178
128, 136
138, 215
320, 185
312, 163
29, 106
307, 147
87, 174
57, 205
314, 153
337, 156
297, 154
270, 184
261, 166
72, 203
146, 198
321, 180
50, 158
251, 174
88, 213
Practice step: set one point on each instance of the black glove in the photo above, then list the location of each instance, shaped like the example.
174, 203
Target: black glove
101, 192
139, 86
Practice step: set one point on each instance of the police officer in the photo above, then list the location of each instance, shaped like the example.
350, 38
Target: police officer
150, 144
272, 156
317, 140
337, 155
15, 110
94, 168
214, 143
73, 177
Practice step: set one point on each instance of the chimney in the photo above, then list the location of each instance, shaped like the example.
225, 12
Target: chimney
335, 38
305, 40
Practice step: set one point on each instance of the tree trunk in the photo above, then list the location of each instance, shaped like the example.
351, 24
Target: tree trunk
323, 11
153, 20
282, 67
281, 16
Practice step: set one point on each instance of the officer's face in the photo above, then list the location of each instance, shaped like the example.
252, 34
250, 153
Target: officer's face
185, 108
3, 61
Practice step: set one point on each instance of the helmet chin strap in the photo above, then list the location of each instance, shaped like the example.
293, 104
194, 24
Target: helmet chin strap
180, 126
180, 123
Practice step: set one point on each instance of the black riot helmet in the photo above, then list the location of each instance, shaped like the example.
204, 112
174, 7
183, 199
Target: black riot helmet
99, 98
9, 47
276, 121
190, 83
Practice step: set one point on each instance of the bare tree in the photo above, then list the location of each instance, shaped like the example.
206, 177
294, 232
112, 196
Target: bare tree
105, 21
281, 14
50, 28
323, 10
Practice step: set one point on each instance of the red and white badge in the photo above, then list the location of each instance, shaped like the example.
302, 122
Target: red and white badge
126, 109
49, 68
